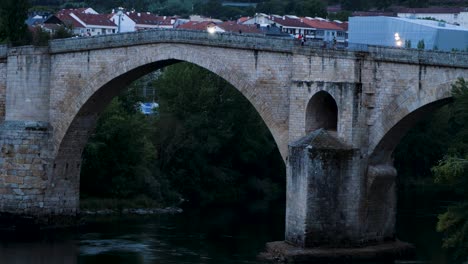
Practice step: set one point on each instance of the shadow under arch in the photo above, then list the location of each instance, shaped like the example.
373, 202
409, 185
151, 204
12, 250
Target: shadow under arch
321, 112
65, 172
382, 153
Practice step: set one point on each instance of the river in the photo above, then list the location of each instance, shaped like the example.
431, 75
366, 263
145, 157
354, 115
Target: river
217, 235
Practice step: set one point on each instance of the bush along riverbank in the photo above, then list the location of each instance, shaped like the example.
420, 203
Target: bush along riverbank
141, 205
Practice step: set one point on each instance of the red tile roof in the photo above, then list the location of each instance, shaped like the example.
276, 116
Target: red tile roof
243, 19
96, 20
228, 26
232, 26
88, 19
322, 24
64, 15
287, 21
196, 25
343, 25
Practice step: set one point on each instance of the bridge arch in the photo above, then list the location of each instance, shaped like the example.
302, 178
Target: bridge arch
402, 114
321, 112
77, 101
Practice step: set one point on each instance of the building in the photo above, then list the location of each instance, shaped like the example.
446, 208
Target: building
208, 26
136, 21
228, 26
292, 25
86, 22
328, 31
451, 15
312, 28
146, 20
405, 32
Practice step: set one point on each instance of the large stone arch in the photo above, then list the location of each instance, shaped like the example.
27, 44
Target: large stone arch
75, 108
128, 65
400, 115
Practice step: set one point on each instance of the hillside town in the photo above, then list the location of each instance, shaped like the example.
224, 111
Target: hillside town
434, 28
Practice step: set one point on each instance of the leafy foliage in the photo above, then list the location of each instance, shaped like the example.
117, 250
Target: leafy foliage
311, 8
210, 136
207, 144
441, 141
13, 30
453, 171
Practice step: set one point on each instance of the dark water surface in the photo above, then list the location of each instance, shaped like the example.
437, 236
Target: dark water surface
220, 236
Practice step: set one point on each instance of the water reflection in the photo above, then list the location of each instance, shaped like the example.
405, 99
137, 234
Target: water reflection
221, 236
38, 252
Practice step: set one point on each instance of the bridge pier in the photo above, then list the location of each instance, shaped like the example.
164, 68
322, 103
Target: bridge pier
333, 213
27, 189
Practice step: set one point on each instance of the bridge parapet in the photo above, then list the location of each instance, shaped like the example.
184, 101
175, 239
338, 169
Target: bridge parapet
423, 57
232, 40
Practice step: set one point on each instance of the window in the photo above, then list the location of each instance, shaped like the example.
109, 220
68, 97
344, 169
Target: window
320, 32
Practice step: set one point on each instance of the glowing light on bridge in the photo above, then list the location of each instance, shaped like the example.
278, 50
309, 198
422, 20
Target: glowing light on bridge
398, 41
211, 30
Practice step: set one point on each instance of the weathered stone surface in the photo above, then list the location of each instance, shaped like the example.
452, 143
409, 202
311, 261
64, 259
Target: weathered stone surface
341, 183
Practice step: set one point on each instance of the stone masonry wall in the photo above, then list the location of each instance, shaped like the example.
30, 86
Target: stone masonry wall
261, 76
24, 159
28, 83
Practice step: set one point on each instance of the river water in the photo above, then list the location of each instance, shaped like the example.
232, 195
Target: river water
217, 235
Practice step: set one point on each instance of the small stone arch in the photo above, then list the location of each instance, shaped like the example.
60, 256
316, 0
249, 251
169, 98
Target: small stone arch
321, 112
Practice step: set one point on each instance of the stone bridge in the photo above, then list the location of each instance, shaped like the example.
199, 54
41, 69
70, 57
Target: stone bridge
336, 116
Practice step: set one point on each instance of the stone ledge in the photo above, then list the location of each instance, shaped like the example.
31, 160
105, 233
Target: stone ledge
388, 252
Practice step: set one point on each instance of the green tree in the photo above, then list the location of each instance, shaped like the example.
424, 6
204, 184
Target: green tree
355, 5
62, 32
342, 16
211, 142
272, 7
408, 44
119, 159
13, 29
40, 37
453, 172
421, 44
312, 8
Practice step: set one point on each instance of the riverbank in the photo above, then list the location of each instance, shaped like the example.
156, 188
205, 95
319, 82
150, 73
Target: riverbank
141, 205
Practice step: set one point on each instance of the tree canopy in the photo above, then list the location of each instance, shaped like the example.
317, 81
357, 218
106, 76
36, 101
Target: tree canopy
13, 29
207, 144
452, 170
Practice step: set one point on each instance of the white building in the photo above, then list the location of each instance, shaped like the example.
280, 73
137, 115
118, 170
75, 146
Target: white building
123, 21
399, 32
455, 15
86, 22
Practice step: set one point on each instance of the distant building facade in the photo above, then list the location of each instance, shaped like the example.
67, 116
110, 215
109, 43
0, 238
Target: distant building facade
312, 28
451, 15
404, 32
